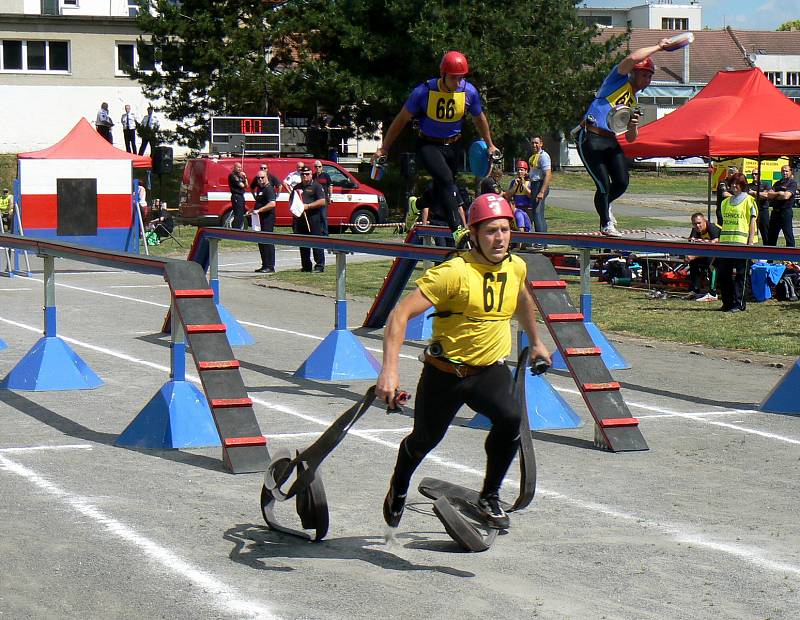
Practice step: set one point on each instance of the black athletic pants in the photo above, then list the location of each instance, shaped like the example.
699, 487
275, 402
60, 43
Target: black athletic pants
697, 268
441, 161
237, 202
780, 220
439, 397
314, 227
267, 250
732, 288
605, 161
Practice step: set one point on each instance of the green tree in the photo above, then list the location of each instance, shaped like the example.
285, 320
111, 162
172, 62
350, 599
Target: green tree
534, 61
792, 24
211, 59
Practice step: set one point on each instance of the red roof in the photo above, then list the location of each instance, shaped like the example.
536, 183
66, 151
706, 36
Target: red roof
724, 119
779, 143
83, 142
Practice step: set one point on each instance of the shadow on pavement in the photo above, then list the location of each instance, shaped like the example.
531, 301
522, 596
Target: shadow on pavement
257, 547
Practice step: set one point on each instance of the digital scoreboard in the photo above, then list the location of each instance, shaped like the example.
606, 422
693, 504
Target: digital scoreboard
260, 134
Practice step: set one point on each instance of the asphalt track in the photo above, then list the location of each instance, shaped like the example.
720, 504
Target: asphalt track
703, 525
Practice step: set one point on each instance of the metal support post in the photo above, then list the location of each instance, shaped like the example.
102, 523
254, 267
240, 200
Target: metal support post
340, 320
586, 294
49, 297
213, 267
177, 346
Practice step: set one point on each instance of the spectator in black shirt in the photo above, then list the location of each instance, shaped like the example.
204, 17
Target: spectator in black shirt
237, 182
310, 221
271, 180
703, 231
490, 184
754, 189
264, 194
781, 201
723, 193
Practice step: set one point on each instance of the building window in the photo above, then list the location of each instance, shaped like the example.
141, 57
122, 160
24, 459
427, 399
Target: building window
35, 56
131, 56
674, 23
70, 3
793, 78
133, 8
776, 77
596, 20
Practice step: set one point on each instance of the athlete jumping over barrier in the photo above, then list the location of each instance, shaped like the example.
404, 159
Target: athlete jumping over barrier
440, 106
612, 112
475, 295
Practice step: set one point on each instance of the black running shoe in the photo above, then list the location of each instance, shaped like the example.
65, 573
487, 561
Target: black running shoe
495, 516
393, 507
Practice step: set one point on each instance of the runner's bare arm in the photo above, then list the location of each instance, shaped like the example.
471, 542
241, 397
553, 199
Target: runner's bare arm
411, 305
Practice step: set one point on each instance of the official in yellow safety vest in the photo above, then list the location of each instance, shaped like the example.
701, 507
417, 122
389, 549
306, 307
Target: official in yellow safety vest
739, 217
6, 209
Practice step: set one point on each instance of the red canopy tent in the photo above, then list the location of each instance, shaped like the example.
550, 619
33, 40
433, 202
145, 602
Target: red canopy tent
725, 119
83, 142
779, 143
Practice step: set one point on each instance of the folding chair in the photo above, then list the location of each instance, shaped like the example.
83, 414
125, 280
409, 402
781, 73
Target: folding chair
165, 229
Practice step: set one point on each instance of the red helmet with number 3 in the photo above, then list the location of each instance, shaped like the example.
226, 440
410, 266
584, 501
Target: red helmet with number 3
645, 65
454, 63
488, 207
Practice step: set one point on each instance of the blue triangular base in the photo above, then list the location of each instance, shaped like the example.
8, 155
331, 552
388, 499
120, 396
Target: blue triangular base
237, 335
340, 357
783, 397
546, 409
3, 345
177, 416
51, 365
421, 326
611, 357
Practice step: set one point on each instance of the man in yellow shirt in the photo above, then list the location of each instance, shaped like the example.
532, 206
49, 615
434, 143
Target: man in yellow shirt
6, 209
475, 295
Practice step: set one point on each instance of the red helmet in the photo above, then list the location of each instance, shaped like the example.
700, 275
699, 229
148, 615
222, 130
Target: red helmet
645, 65
521, 164
489, 207
454, 63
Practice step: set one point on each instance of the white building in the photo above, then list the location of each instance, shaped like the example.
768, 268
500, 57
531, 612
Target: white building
652, 14
59, 60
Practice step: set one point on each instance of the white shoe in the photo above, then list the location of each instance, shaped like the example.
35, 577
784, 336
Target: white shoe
707, 297
611, 217
610, 230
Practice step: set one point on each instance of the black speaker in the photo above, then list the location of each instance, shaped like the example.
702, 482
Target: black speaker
408, 165
162, 160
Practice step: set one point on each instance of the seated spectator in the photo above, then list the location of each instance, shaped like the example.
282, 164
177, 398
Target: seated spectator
703, 231
522, 219
163, 223
490, 184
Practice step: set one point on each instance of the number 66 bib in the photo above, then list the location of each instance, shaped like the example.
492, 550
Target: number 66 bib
446, 107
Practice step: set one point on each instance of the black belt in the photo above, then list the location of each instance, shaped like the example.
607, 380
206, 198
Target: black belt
596, 130
453, 368
450, 140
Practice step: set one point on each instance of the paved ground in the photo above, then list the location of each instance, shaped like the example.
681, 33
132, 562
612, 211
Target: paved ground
700, 526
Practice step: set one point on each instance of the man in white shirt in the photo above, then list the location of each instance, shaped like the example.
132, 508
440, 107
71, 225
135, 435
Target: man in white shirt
128, 122
294, 178
103, 122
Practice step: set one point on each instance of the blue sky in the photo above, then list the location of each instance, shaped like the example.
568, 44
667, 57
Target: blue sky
748, 14
740, 14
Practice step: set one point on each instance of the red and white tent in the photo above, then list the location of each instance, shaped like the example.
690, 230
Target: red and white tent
79, 190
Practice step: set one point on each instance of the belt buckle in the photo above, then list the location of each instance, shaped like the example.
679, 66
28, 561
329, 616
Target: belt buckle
460, 370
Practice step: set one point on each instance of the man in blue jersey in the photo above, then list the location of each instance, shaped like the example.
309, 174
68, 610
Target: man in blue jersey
597, 142
440, 105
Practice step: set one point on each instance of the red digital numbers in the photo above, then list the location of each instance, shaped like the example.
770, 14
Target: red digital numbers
251, 125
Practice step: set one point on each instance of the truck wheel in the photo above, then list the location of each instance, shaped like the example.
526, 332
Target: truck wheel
363, 221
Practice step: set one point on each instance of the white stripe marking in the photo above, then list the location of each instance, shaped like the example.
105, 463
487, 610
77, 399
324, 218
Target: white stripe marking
81, 446
138, 286
224, 596
14, 290
681, 534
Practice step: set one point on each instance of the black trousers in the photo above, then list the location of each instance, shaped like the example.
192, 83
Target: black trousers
441, 161
237, 202
780, 221
731, 287
605, 161
267, 250
314, 227
130, 140
143, 146
439, 397
105, 132
763, 224
697, 268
